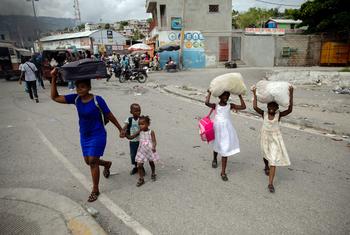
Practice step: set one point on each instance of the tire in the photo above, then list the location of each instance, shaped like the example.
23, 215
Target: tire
122, 79
141, 78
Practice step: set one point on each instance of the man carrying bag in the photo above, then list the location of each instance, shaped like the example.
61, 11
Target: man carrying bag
28, 71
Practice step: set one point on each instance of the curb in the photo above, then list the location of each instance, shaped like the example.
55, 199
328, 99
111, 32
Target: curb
289, 124
77, 220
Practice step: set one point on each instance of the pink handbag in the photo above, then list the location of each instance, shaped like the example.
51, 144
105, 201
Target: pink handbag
206, 128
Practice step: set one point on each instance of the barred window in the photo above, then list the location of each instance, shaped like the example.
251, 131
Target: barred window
213, 8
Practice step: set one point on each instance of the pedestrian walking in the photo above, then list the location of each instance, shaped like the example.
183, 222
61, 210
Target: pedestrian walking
272, 144
226, 141
93, 114
147, 150
131, 131
37, 60
29, 73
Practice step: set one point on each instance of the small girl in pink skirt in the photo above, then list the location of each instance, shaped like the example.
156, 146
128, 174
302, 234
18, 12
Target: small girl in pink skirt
146, 150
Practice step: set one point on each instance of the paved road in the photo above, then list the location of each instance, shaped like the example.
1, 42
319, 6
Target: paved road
312, 195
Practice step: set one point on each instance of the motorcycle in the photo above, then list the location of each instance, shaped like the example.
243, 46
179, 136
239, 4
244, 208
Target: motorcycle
133, 74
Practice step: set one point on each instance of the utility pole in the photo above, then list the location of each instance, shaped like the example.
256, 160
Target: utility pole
181, 64
77, 12
36, 19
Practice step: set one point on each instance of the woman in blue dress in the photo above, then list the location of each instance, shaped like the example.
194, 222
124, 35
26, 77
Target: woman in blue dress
93, 112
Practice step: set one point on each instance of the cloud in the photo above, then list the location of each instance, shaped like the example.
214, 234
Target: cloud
90, 10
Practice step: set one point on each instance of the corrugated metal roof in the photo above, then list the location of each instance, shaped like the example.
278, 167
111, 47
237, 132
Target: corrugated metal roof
68, 36
286, 21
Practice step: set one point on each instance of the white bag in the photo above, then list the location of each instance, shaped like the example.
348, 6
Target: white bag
269, 91
230, 82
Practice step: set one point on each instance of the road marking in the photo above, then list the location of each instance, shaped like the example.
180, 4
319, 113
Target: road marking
106, 201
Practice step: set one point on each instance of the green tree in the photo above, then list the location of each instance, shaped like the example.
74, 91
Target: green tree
81, 27
137, 35
325, 16
254, 17
107, 26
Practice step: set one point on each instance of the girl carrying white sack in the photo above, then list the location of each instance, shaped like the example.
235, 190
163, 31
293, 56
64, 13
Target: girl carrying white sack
226, 141
272, 144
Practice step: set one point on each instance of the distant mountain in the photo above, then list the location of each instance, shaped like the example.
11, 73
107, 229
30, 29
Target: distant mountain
23, 29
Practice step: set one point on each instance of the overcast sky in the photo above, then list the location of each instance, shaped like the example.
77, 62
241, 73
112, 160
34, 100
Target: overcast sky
107, 10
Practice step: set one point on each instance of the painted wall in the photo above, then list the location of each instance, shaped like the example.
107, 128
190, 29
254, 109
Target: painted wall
258, 50
194, 47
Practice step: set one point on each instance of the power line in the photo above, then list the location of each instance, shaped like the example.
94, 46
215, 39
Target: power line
279, 4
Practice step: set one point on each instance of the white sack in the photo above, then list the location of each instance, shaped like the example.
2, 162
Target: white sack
269, 91
231, 82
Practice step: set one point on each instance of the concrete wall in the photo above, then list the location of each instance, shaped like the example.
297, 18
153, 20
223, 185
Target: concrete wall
258, 50
266, 51
198, 18
305, 50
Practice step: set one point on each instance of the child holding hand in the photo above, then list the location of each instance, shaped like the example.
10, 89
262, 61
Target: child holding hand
272, 145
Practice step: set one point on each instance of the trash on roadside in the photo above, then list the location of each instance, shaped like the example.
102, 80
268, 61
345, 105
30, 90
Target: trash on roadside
92, 211
341, 90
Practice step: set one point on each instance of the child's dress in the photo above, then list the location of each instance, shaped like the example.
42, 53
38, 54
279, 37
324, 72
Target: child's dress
272, 144
144, 151
226, 141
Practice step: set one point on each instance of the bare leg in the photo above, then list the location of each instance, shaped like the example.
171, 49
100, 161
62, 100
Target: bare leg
214, 163
267, 168
271, 177
153, 167
223, 165
95, 172
141, 174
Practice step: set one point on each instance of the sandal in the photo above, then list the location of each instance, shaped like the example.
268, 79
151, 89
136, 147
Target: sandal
140, 182
154, 177
106, 172
224, 177
93, 196
271, 188
214, 164
267, 171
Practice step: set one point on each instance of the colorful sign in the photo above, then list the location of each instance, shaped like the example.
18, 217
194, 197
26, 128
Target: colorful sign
176, 23
109, 34
265, 31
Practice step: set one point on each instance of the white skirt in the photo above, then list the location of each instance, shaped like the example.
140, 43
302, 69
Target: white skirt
226, 140
273, 148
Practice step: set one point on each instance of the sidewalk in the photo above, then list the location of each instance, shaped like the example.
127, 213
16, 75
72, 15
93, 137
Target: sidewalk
35, 211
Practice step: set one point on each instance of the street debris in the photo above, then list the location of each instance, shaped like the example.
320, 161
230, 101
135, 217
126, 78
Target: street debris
252, 128
92, 211
122, 154
341, 90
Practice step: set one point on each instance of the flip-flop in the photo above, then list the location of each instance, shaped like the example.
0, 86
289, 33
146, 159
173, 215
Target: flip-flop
154, 177
224, 177
271, 188
106, 171
140, 182
93, 196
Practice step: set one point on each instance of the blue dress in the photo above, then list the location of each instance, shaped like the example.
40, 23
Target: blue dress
93, 136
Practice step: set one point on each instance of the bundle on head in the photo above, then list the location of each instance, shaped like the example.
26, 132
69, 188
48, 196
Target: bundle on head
273, 91
230, 82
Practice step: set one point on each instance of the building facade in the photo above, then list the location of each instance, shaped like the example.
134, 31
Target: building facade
96, 41
207, 27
